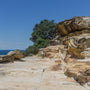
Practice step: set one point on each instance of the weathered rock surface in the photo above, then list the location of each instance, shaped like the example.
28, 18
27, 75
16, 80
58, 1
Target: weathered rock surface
5, 58
72, 67
17, 54
87, 72
11, 53
73, 54
57, 51
55, 41
75, 34
73, 25
11, 56
79, 70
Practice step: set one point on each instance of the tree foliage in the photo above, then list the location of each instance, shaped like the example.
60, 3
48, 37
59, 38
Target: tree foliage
44, 30
31, 50
42, 34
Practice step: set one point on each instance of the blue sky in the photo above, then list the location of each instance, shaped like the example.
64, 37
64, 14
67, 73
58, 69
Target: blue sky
18, 17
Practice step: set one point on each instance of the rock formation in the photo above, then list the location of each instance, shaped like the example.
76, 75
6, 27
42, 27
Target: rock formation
73, 50
75, 34
11, 56
5, 58
17, 54
79, 69
57, 51
73, 25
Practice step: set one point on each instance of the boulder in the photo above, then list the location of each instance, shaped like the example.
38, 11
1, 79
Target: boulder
11, 53
17, 54
6, 58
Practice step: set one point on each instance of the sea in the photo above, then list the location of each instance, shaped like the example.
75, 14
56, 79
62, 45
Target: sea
4, 52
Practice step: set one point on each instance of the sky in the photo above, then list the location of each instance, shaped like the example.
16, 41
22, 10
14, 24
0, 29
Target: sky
18, 18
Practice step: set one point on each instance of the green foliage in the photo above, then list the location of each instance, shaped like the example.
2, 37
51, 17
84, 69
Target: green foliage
41, 43
31, 50
45, 30
42, 34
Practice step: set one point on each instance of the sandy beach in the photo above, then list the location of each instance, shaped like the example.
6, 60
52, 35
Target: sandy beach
34, 73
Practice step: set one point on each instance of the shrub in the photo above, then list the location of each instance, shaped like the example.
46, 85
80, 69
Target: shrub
41, 36
31, 50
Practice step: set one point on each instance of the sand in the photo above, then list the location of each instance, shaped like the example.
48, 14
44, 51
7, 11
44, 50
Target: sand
33, 73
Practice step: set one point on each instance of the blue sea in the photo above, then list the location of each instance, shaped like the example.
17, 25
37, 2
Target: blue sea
4, 52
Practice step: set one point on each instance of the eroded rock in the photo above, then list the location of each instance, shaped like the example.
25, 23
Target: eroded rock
6, 58
17, 54
57, 51
87, 72
73, 25
75, 34
74, 49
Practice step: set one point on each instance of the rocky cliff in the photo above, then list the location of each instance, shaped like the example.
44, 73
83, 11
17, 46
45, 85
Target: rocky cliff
73, 25
75, 34
72, 54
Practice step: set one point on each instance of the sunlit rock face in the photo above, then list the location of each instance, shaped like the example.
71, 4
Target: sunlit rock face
17, 54
75, 34
73, 25
79, 45
71, 49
